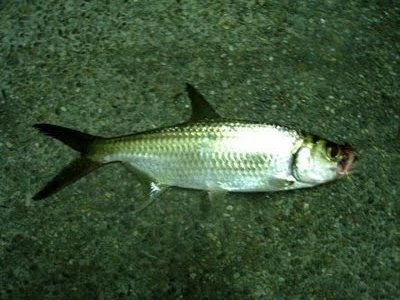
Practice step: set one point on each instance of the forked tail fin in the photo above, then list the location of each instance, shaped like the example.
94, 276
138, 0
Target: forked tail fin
77, 140
78, 168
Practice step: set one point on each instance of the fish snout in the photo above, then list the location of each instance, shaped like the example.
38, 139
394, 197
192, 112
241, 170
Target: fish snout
347, 160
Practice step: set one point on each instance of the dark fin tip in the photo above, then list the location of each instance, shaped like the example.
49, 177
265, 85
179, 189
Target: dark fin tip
201, 109
71, 173
77, 140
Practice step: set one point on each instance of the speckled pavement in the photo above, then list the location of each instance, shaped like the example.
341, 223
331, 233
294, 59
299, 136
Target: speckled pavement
116, 67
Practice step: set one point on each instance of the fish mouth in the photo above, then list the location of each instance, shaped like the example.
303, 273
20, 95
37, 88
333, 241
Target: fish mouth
347, 160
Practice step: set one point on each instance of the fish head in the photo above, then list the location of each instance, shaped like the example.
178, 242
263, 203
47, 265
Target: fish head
320, 161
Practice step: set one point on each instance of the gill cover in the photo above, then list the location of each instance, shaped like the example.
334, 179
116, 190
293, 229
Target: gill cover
316, 162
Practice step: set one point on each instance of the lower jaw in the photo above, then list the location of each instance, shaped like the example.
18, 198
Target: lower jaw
344, 167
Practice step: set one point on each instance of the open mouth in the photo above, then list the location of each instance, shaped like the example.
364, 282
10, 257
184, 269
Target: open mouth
347, 160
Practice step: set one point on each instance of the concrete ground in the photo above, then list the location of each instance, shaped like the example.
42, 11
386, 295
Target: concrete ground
116, 67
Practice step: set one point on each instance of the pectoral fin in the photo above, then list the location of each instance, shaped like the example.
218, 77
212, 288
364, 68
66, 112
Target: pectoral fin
281, 183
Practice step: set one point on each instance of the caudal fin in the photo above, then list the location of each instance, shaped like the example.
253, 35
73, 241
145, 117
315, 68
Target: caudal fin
77, 168
71, 173
77, 140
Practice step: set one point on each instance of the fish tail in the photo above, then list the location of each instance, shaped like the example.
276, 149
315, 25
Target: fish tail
75, 170
75, 139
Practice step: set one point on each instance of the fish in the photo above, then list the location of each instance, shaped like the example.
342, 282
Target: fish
207, 152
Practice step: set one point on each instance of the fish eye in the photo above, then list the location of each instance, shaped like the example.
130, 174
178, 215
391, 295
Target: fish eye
332, 150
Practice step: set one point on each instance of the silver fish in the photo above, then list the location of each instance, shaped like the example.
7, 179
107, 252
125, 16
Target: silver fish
209, 153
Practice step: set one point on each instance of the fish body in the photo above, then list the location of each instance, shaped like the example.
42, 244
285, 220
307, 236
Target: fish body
209, 153
231, 156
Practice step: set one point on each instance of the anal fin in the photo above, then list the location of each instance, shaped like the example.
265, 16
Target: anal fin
152, 190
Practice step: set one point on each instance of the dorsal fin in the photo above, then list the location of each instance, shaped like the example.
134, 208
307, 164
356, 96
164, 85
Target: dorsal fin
201, 109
